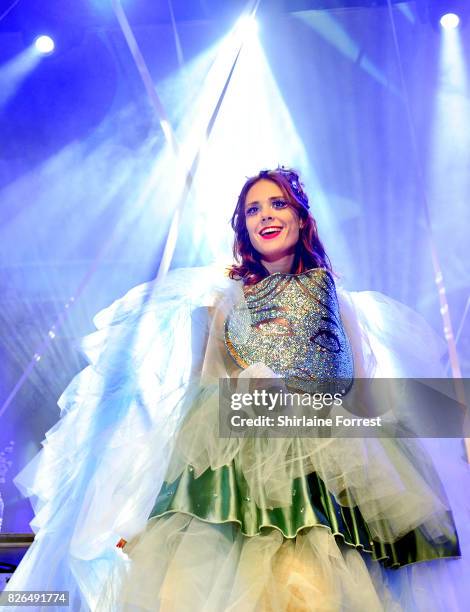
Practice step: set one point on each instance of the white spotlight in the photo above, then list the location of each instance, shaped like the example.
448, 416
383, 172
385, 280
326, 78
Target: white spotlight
44, 45
449, 21
247, 25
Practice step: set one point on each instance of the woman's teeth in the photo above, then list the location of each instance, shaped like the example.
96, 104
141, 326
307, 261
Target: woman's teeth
270, 232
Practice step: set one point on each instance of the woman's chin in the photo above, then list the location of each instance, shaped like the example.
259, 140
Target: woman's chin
271, 256
276, 251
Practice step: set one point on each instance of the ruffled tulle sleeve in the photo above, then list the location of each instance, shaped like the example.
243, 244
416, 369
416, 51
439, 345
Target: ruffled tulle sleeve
102, 464
389, 339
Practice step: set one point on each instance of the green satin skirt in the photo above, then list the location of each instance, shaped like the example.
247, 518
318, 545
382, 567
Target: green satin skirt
222, 496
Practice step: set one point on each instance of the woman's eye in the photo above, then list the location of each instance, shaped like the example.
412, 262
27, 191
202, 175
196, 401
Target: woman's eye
251, 211
279, 203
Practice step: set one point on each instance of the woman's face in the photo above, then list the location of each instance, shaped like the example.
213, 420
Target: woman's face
273, 225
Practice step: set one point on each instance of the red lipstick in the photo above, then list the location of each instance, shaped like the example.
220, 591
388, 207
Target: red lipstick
270, 232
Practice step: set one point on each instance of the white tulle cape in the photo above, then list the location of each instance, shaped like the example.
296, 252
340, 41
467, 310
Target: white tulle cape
131, 410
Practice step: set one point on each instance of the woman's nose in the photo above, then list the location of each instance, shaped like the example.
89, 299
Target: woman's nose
266, 215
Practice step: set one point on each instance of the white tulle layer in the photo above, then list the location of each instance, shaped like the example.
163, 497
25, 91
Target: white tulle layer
104, 462
181, 564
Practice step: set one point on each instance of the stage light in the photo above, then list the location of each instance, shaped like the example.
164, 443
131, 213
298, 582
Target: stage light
44, 45
449, 21
247, 25
444, 15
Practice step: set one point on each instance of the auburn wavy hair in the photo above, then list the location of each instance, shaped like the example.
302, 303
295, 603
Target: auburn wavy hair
309, 253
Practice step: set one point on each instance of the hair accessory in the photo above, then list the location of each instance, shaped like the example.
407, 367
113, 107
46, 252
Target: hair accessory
294, 182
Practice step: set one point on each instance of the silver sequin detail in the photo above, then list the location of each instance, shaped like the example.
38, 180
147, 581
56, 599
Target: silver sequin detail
292, 323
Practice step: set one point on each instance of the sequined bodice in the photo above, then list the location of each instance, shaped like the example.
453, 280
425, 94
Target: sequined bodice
291, 322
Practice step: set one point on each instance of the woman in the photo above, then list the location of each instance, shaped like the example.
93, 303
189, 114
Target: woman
269, 523
237, 523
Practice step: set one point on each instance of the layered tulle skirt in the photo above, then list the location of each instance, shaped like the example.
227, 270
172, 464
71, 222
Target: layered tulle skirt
181, 563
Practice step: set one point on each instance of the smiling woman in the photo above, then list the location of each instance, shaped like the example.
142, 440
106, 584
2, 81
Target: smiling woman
273, 225
274, 231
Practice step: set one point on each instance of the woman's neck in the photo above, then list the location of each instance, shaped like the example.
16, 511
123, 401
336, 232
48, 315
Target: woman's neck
284, 264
